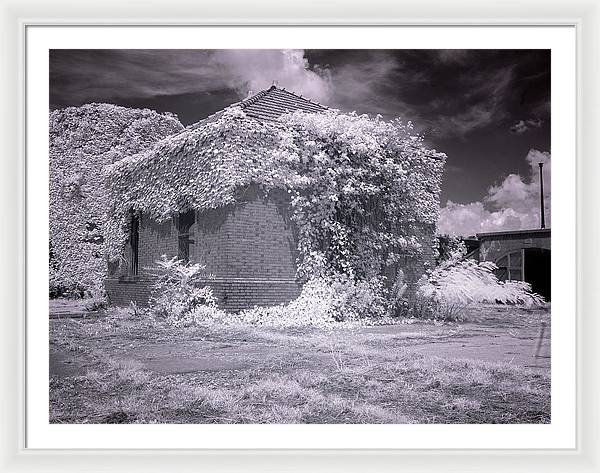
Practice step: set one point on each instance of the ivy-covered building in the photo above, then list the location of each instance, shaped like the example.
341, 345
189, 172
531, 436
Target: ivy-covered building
265, 191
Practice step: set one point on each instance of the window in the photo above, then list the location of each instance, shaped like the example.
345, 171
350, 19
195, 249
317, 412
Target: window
184, 223
134, 240
510, 267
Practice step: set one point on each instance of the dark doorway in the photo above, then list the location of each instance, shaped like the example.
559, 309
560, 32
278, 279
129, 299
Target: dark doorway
537, 270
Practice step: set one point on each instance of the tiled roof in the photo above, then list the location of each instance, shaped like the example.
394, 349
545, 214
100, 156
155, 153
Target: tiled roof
270, 104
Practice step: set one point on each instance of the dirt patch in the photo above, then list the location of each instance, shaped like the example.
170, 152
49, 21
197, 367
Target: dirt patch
191, 365
71, 308
64, 364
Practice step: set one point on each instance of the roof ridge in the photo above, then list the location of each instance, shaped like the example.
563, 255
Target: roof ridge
262, 93
273, 104
254, 98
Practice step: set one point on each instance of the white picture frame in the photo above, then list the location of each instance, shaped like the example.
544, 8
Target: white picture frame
583, 15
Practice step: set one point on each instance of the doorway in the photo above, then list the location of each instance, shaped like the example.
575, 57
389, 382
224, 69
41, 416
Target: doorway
531, 265
537, 270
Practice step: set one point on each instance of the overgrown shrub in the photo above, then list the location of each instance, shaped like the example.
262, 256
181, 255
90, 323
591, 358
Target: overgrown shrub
82, 140
463, 281
421, 307
179, 290
97, 300
448, 246
323, 301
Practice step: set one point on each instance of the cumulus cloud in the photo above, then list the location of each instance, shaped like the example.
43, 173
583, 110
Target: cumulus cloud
522, 126
514, 204
250, 71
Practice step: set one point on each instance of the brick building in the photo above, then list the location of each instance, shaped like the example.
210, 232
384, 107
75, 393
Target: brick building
250, 246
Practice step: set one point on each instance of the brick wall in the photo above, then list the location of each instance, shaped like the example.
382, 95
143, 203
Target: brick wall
121, 291
252, 239
238, 294
232, 294
250, 248
155, 239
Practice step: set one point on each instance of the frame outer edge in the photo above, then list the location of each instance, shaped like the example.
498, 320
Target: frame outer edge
12, 287
588, 173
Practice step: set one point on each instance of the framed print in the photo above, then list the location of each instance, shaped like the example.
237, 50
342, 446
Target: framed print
302, 241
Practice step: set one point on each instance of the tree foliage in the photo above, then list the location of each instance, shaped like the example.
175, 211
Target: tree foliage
448, 247
82, 141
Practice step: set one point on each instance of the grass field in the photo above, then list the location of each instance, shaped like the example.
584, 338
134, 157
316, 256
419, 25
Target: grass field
118, 369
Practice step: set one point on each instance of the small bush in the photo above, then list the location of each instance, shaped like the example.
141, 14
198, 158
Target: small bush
179, 290
96, 301
462, 281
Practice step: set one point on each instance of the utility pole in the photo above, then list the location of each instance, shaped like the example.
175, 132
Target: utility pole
543, 221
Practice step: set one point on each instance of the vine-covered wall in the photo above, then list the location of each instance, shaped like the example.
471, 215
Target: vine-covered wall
363, 192
252, 239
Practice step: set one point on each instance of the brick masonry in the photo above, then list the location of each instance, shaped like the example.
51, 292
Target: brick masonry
122, 291
232, 294
249, 248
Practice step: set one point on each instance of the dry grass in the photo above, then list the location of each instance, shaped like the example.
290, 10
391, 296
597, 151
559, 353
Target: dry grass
300, 376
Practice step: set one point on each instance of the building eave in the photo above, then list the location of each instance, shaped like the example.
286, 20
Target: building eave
517, 233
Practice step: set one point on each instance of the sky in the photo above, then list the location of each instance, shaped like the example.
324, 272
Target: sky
488, 110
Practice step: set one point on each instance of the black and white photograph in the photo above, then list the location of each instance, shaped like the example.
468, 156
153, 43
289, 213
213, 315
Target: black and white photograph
317, 236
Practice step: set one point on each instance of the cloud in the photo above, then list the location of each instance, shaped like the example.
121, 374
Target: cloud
511, 205
374, 85
483, 104
381, 82
522, 126
445, 93
103, 75
108, 74
249, 71
473, 118
478, 99
452, 56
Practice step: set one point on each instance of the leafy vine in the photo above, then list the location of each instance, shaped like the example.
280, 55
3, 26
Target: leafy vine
363, 191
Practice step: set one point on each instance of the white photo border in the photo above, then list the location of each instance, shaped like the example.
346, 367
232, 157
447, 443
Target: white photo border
560, 433
582, 14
